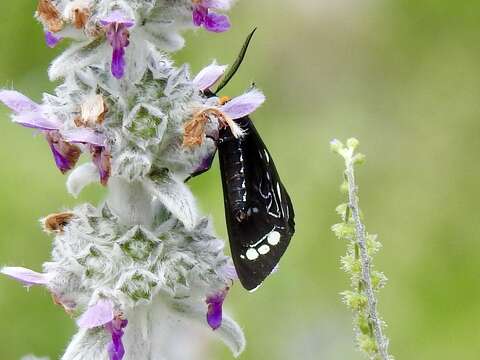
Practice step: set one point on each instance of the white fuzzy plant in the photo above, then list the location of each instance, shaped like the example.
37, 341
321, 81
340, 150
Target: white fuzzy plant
138, 270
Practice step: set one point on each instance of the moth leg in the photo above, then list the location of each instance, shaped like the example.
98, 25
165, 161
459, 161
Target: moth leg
241, 215
244, 214
205, 164
225, 139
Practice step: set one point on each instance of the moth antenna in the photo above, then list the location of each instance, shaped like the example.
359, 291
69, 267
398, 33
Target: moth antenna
236, 65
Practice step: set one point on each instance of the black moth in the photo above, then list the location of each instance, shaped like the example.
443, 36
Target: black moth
258, 210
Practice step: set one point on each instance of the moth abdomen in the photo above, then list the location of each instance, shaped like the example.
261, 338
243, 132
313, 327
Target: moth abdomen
234, 174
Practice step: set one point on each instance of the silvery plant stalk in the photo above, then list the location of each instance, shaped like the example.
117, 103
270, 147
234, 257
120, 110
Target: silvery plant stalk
358, 262
143, 271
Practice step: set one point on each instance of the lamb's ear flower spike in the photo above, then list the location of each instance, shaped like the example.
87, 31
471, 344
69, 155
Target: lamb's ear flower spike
145, 253
116, 26
204, 16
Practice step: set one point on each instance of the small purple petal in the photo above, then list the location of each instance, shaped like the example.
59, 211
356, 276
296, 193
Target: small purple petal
117, 17
116, 350
118, 62
243, 105
215, 311
101, 158
216, 4
205, 164
97, 315
63, 164
97, 142
66, 155
210, 20
35, 121
51, 40
117, 24
216, 22
229, 272
84, 136
208, 76
199, 14
26, 276
18, 102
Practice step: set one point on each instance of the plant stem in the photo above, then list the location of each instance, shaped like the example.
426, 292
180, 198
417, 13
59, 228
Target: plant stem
360, 235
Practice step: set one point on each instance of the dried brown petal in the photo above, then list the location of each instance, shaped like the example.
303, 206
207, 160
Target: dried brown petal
66, 155
78, 121
93, 111
57, 222
70, 152
194, 130
49, 14
80, 17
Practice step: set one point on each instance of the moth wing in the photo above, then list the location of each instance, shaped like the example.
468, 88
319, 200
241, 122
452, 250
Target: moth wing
259, 241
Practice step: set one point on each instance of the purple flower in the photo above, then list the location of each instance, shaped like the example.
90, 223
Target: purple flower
215, 311
117, 25
116, 350
51, 40
102, 313
98, 148
208, 76
225, 112
66, 155
18, 102
229, 272
243, 105
26, 276
29, 114
203, 16
239, 107
97, 315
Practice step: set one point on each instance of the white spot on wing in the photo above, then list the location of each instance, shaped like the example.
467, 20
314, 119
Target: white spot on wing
266, 155
252, 254
264, 249
273, 238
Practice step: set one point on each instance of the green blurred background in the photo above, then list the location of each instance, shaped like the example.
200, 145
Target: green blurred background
403, 76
